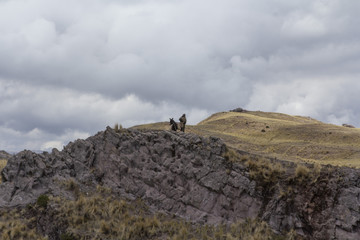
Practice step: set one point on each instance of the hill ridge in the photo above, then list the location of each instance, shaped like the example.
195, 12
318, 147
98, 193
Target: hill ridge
295, 138
196, 178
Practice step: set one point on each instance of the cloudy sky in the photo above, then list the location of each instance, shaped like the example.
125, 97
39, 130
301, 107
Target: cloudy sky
70, 68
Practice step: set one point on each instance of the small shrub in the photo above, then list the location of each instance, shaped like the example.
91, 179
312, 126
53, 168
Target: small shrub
67, 236
42, 201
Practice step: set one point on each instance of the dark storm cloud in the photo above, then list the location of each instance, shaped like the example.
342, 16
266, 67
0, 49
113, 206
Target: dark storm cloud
74, 67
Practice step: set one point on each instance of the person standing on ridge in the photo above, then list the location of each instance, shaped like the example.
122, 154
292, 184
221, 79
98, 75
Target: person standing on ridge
182, 120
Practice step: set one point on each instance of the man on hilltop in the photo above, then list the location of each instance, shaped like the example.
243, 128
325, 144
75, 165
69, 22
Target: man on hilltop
182, 120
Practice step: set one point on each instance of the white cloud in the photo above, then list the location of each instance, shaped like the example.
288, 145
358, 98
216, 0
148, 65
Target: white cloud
328, 100
66, 115
81, 65
39, 34
51, 144
303, 27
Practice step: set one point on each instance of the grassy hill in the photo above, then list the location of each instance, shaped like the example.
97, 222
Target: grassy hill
286, 137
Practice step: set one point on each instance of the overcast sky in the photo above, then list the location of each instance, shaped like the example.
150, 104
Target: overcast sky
70, 68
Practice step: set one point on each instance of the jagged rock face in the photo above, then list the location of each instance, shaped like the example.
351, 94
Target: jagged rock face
186, 175
327, 208
180, 173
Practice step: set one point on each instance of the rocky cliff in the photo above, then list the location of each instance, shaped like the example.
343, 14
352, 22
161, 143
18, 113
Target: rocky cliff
196, 178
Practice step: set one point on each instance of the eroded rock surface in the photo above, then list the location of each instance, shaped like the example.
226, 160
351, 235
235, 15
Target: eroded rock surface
188, 175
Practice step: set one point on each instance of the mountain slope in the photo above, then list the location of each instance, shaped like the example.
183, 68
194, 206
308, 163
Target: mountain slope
178, 174
221, 183
291, 138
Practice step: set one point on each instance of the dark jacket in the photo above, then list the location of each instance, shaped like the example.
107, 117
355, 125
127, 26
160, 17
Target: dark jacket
182, 119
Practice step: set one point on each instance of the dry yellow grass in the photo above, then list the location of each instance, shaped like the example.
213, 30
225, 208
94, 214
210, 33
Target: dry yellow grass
102, 216
13, 225
293, 138
2, 165
154, 126
287, 137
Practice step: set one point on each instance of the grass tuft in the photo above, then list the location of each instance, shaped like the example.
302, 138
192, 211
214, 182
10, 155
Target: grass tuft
14, 226
264, 172
3, 163
118, 127
302, 172
231, 155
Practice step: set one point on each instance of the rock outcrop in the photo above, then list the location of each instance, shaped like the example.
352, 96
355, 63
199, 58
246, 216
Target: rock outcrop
4, 155
239, 109
194, 178
348, 125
